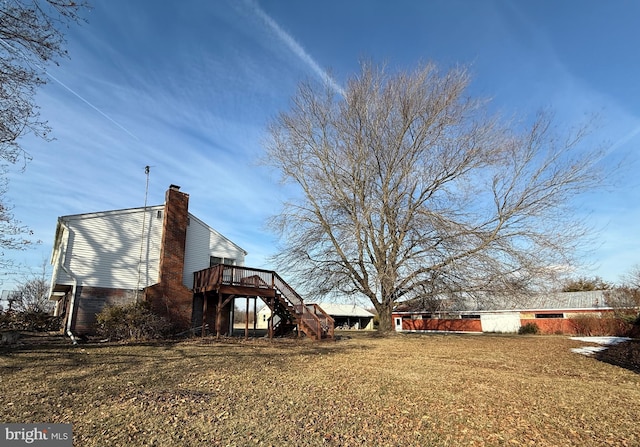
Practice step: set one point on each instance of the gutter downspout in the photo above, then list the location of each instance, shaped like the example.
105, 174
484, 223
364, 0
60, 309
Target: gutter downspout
72, 303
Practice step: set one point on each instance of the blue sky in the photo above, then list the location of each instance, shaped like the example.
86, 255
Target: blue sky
188, 88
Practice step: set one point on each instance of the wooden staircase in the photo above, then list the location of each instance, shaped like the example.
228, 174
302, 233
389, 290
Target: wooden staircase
309, 319
288, 309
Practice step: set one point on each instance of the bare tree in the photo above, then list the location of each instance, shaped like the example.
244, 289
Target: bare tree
31, 36
632, 278
410, 188
13, 235
33, 294
627, 296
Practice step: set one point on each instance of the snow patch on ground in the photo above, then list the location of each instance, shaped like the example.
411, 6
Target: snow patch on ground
604, 342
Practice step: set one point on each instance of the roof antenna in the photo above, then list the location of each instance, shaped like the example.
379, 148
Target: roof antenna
147, 170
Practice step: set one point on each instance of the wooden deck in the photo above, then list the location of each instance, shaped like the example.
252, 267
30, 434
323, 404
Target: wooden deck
221, 284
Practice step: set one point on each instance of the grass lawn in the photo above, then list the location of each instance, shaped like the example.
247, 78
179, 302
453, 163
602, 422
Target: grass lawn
422, 390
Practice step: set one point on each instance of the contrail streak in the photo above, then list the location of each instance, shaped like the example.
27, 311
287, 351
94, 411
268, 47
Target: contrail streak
69, 89
624, 140
77, 95
298, 50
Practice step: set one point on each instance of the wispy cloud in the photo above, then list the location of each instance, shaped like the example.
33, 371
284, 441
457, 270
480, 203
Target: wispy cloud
87, 102
297, 49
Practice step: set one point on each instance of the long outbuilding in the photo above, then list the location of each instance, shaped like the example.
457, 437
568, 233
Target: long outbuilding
552, 313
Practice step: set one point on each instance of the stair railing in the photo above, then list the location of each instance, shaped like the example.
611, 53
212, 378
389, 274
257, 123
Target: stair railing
311, 316
326, 321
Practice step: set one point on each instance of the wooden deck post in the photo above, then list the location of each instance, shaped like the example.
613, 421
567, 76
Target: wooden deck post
205, 298
255, 315
271, 318
246, 319
219, 315
232, 318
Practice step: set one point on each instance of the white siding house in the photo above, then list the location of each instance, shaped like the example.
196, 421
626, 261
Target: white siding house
203, 243
120, 256
113, 249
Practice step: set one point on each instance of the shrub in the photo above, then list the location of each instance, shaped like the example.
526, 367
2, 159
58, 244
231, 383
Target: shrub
30, 321
586, 325
529, 328
134, 321
591, 325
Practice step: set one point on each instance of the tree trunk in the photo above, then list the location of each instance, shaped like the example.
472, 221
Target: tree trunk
384, 317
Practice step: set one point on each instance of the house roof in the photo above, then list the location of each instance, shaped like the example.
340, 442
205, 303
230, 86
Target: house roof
596, 299
566, 300
133, 210
345, 310
110, 212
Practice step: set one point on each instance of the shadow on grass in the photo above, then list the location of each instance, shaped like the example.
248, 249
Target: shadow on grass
625, 355
56, 354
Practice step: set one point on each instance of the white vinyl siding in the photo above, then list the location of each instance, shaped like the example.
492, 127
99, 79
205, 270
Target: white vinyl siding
59, 276
202, 243
104, 249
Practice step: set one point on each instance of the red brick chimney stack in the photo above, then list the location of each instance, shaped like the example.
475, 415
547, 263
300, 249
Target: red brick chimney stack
169, 296
174, 237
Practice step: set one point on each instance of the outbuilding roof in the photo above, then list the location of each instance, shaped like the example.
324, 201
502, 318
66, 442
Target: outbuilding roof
345, 310
597, 299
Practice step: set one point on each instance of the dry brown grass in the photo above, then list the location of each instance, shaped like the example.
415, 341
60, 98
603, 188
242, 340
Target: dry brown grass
440, 390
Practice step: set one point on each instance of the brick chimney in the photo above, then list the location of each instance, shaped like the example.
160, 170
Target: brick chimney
169, 296
174, 236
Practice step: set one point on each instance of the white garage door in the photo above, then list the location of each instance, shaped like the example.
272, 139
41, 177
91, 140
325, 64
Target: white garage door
502, 322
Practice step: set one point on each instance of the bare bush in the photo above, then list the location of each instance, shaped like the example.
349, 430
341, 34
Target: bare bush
593, 325
30, 321
134, 321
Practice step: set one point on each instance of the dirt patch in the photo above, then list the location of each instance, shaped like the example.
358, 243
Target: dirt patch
625, 355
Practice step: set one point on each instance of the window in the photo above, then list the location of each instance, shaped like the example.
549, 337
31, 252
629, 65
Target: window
215, 260
549, 315
470, 316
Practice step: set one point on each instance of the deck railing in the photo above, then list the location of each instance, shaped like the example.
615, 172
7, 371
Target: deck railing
326, 321
286, 290
232, 275
311, 316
